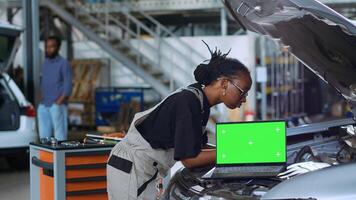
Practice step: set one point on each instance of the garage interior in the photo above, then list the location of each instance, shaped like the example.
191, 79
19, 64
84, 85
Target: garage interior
126, 56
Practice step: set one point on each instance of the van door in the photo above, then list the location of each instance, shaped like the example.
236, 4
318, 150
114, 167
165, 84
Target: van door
9, 108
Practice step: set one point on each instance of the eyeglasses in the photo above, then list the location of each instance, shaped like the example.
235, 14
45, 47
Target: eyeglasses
243, 93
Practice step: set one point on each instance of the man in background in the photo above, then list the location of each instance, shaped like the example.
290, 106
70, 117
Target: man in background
56, 87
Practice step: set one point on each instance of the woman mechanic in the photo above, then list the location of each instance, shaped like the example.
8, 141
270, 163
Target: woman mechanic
174, 129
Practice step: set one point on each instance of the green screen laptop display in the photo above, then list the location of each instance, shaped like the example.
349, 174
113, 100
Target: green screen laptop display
251, 142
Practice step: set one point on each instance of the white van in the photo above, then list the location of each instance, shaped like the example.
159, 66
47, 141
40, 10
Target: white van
17, 115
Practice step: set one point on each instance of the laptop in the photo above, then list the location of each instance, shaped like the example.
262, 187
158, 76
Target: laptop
249, 150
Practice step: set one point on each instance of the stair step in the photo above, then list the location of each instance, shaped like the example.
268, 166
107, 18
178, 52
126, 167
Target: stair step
146, 66
156, 74
98, 31
91, 24
165, 82
86, 20
119, 45
83, 18
132, 56
127, 51
115, 42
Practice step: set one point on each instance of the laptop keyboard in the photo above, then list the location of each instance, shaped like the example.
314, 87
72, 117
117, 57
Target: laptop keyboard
249, 169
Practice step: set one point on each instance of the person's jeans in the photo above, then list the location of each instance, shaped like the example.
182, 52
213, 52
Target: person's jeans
53, 119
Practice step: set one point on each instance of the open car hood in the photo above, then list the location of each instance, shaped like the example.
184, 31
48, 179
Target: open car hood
321, 38
9, 43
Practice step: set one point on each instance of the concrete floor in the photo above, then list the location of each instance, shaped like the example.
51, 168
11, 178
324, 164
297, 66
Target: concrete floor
14, 185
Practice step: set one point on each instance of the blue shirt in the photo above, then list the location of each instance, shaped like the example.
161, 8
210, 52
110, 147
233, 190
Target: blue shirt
56, 79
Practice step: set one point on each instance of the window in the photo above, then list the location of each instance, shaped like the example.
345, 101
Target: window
6, 48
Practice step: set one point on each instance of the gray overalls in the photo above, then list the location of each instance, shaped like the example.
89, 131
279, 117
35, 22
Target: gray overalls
133, 165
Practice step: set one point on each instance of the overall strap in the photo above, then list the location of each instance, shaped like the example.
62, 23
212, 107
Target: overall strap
198, 93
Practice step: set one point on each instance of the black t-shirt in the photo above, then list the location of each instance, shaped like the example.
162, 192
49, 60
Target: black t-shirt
177, 123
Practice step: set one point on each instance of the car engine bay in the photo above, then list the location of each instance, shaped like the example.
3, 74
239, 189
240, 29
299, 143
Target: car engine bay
326, 144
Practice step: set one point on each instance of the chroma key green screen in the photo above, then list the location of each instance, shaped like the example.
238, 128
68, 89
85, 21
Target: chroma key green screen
251, 142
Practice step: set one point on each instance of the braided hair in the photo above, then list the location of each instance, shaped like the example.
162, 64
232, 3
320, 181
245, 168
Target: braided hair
219, 65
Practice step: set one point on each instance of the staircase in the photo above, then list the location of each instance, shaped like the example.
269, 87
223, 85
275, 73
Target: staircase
121, 35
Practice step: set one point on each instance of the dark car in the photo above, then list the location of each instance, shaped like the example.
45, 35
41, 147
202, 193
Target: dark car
325, 42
